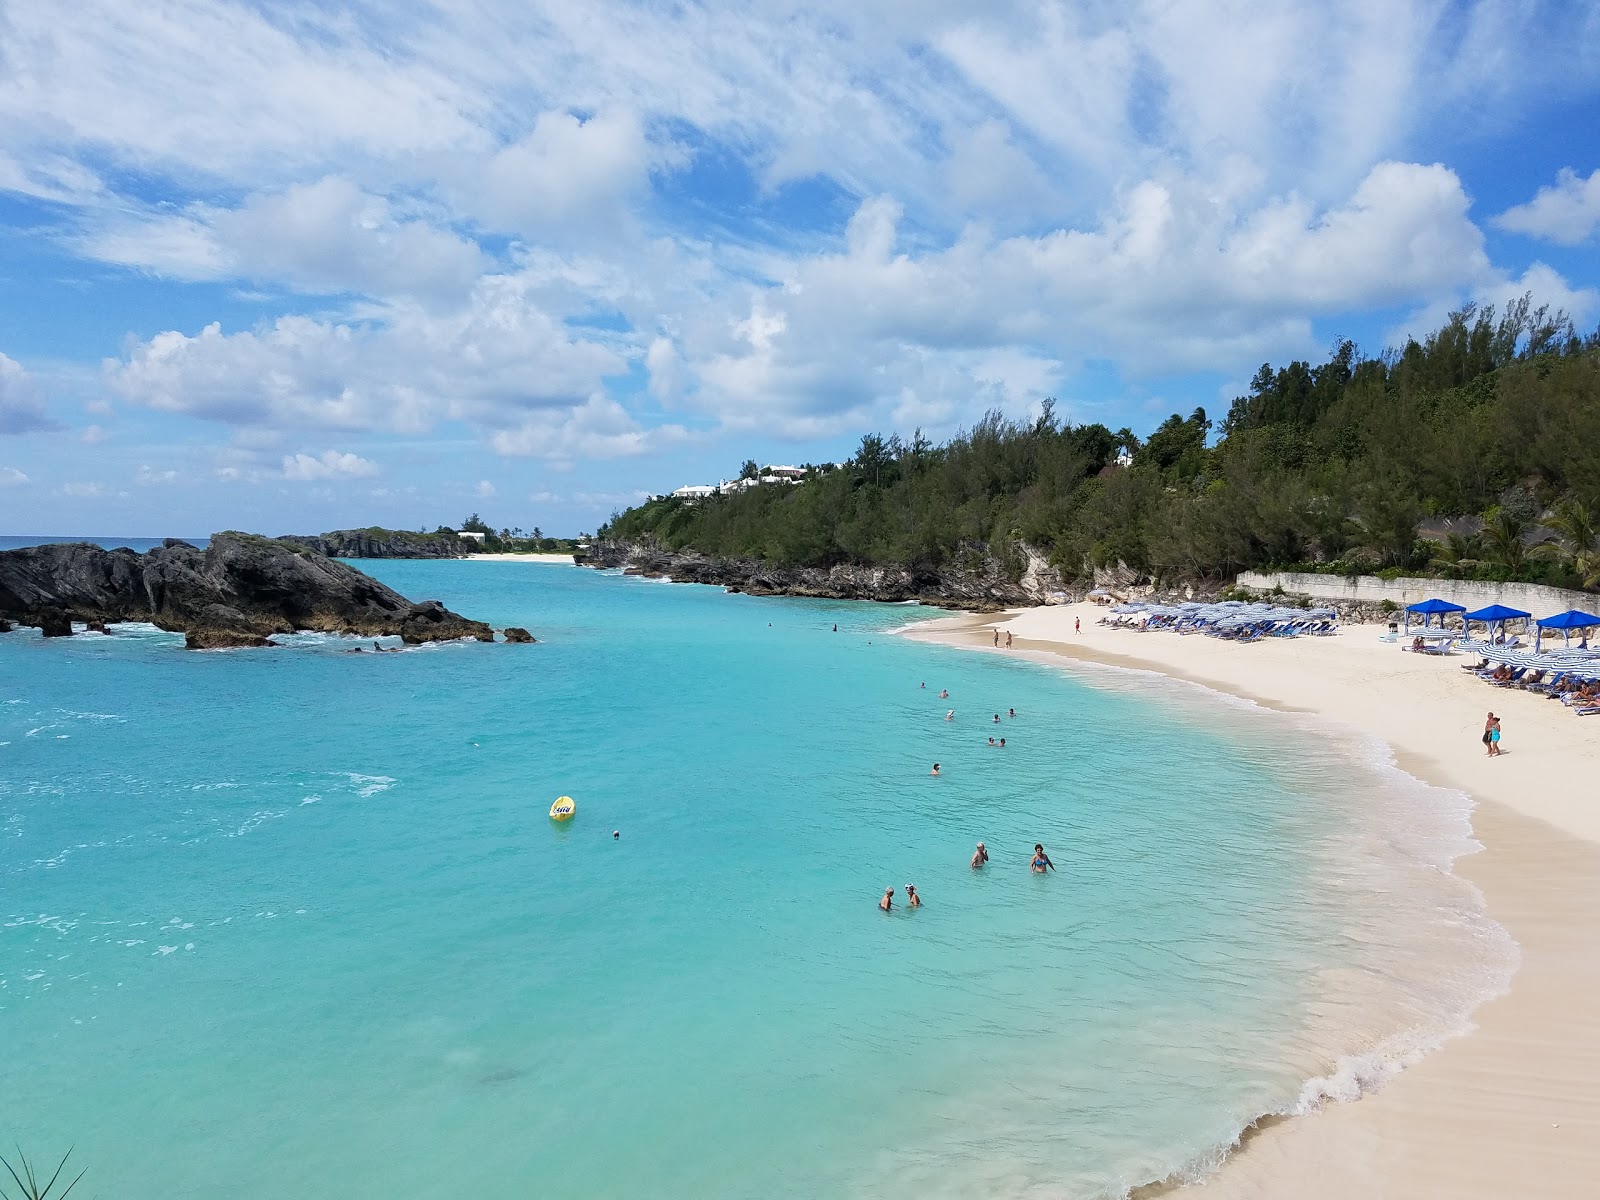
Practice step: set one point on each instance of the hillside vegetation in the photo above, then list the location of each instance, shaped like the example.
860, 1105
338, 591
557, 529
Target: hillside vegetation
1493, 421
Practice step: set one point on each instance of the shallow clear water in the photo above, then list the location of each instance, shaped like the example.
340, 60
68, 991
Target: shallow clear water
298, 919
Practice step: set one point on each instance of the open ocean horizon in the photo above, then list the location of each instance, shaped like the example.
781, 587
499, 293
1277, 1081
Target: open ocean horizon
298, 919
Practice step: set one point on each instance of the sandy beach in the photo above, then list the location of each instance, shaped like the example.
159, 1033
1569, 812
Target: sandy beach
1513, 1107
556, 559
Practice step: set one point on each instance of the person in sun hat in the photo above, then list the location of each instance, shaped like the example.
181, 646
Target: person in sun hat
912, 899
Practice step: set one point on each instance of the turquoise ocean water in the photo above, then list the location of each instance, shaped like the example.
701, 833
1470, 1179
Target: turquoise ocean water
297, 920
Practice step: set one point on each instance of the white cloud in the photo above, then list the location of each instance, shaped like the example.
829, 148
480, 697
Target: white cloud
85, 491
485, 490
93, 435
326, 236
21, 410
11, 477
148, 476
1567, 212
330, 464
598, 428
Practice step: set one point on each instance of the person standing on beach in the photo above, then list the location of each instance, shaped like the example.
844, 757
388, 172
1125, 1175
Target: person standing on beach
1008, 639
996, 637
1077, 625
1488, 736
1494, 739
888, 899
979, 857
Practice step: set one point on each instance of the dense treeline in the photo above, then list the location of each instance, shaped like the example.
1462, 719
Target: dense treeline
1493, 421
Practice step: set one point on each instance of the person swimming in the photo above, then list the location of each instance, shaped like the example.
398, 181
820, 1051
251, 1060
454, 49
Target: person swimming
1002, 743
1041, 861
997, 718
991, 741
888, 899
935, 770
1011, 712
950, 715
944, 693
979, 857
912, 899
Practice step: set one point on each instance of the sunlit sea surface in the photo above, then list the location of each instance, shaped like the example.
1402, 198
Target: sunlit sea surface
297, 922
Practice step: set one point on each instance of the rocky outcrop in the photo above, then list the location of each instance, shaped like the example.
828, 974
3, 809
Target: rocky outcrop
973, 579
383, 543
237, 592
515, 633
54, 622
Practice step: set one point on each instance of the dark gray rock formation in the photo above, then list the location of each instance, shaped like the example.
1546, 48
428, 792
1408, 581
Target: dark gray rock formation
55, 622
517, 634
383, 543
972, 580
236, 592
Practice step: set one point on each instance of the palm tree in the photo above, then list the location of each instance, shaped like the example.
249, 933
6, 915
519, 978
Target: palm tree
1504, 532
28, 1182
1579, 528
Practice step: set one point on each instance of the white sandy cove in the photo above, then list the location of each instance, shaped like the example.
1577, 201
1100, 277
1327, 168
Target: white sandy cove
566, 559
1512, 1109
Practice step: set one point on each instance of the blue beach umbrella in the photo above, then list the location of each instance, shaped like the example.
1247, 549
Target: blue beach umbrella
1428, 608
1495, 614
1566, 622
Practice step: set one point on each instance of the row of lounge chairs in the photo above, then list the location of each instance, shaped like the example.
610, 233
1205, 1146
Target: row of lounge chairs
1232, 620
1572, 678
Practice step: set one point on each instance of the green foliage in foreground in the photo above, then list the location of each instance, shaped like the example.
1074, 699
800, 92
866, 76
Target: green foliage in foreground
28, 1183
1327, 466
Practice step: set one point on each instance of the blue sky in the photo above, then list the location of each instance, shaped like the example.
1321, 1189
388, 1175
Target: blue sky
292, 267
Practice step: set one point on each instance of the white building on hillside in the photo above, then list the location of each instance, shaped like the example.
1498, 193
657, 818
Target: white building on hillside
471, 535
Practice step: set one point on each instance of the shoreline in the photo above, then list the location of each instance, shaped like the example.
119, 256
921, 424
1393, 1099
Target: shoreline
1513, 1105
565, 560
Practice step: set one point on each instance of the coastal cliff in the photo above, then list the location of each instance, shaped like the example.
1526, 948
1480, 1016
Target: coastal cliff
375, 542
238, 591
973, 579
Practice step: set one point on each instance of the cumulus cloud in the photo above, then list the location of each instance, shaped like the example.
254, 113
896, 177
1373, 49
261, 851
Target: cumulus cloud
147, 476
486, 363
330, 464
1567, 212
485, 490
321, 237
85, 490
598, 428
11, 477
21, 410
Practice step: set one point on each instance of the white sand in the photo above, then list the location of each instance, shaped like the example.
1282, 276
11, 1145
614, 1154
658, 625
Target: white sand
564, 559
1512, 1109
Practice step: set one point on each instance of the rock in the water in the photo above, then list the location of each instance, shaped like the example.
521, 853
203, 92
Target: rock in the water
6, 626
516, 634
237, 592
97, 626
55, 623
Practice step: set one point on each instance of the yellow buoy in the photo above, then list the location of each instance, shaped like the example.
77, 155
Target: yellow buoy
563, 808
